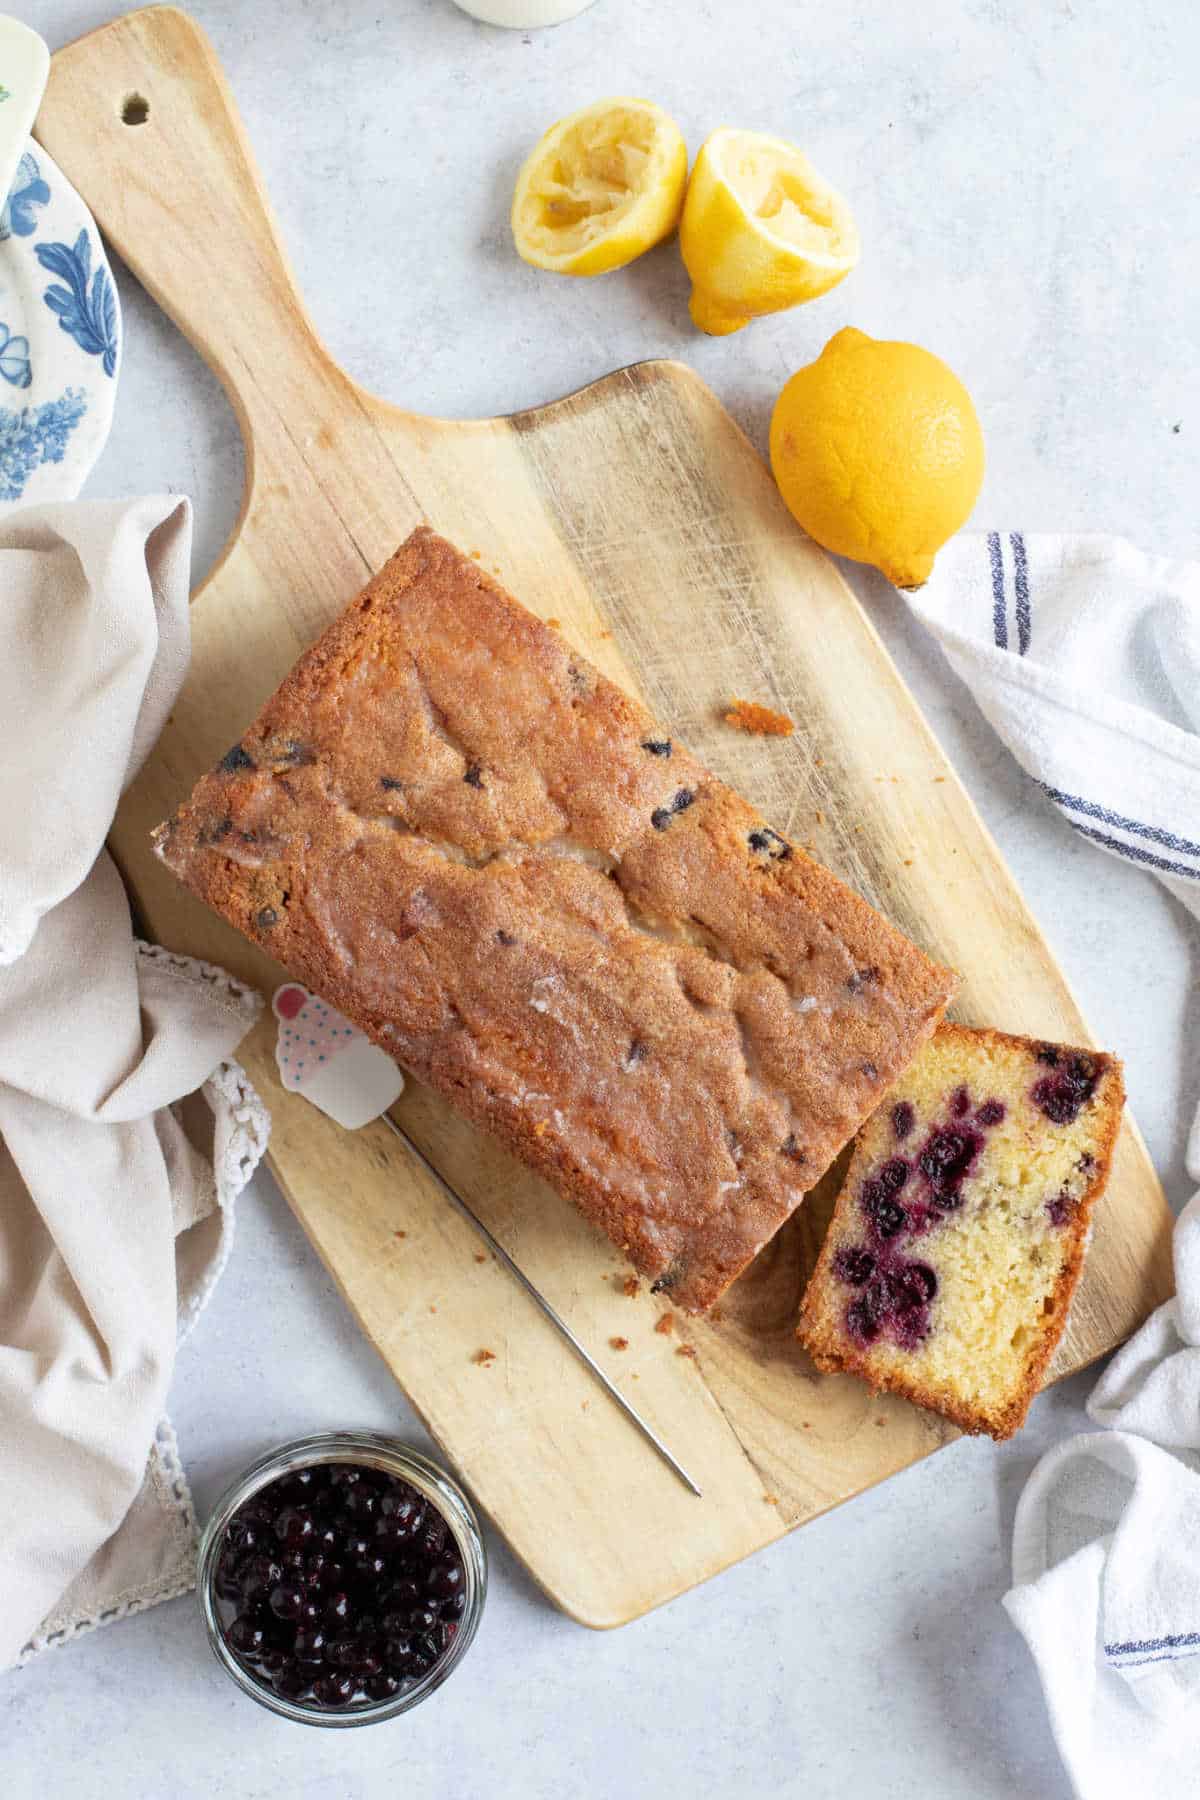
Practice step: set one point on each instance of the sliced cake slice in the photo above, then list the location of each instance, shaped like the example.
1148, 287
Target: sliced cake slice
960, 1232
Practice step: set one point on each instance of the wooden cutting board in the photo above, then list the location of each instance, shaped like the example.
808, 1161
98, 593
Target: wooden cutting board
638, 515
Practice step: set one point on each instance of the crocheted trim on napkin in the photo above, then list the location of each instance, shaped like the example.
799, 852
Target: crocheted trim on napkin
233, 1100
229, 1084
236, 1108
234, 995
165, 1472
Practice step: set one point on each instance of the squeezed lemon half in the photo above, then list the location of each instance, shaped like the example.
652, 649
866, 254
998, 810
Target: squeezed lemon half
761, 230
602, 186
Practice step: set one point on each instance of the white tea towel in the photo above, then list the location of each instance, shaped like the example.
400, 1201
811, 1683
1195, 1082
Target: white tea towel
1084, 655
1106, 1556
1106, 1559
125, 1130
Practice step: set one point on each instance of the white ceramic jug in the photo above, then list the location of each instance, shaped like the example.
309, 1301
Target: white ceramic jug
521, 14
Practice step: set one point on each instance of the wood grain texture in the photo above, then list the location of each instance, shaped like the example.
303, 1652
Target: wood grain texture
637, 515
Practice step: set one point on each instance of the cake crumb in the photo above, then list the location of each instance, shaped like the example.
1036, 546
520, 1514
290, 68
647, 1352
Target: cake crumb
584, 1405
759, 721
477, 555
433, 1309
908, 862
805, 1423
400, 1234
939, 778
881, 1421
666, 1324
686, 1350
771, 1499
480, 1256
606, 634
619, 1343
630, 1285
484, 1357
820, 817
555, 622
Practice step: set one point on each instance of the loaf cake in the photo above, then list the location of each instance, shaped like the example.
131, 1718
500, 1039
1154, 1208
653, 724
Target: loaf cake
960, 1232
493, 861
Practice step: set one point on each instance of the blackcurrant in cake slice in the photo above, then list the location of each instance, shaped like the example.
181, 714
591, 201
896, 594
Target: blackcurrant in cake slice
959, 1235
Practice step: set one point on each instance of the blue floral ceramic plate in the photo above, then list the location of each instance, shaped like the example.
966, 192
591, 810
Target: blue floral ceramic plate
60, 337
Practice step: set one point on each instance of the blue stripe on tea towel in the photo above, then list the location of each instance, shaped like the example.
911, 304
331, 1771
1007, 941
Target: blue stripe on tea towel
1139, 1646
1167, 839
1142, 1661
1134, 852
999, 617
1021, 583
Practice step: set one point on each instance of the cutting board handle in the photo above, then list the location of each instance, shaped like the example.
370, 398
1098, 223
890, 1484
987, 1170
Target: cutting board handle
140, 118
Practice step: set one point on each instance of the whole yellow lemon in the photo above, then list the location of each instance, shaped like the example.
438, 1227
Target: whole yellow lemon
878, 453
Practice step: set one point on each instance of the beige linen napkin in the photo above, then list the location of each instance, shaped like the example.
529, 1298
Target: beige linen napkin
125, 1131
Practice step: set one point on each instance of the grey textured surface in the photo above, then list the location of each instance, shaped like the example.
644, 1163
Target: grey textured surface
1022, 172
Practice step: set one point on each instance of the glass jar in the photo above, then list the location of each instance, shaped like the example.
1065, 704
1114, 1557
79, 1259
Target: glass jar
393, 1458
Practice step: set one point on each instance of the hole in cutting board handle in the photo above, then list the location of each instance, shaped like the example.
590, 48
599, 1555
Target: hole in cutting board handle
135, 109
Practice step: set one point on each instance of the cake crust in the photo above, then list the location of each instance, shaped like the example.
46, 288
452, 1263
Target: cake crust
823, 1328
461, 835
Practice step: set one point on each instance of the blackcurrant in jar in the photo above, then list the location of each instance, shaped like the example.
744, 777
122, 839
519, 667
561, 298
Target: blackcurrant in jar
342, 1578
